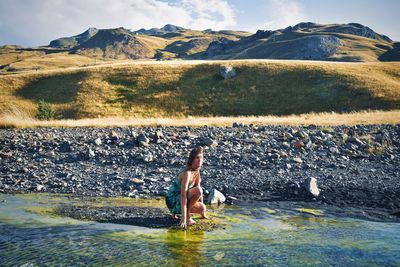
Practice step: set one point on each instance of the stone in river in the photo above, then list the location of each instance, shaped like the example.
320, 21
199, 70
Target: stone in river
311, 186
215, 197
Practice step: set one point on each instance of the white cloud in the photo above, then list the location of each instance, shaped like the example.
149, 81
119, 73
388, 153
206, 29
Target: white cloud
37, 22
283, 13
213, 14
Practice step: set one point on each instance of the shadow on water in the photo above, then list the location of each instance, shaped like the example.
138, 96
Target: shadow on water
153, 222
126, 215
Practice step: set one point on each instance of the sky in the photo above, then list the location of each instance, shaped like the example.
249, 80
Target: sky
37, 22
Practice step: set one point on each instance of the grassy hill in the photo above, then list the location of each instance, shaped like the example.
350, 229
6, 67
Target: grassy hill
151, 89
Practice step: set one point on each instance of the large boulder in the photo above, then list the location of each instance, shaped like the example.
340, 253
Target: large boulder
227, 72
215, 197
311, 186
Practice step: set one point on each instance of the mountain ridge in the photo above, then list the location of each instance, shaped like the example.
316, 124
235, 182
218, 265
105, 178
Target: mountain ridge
352, 42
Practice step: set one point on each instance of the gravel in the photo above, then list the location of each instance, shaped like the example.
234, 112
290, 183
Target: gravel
353, 166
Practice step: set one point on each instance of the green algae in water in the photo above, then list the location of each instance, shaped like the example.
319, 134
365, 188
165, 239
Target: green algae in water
42, 210
45, 198
311, 211
124, 201
269, 211
171, 247
50, 199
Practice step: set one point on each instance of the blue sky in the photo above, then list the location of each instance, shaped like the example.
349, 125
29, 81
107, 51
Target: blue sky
37, 22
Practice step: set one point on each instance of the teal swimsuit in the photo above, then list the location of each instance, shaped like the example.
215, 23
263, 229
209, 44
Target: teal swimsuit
173, 197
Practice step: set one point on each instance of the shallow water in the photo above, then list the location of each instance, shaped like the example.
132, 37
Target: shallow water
254, 236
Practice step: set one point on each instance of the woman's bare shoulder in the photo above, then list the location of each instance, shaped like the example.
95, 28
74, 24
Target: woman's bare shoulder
184, 174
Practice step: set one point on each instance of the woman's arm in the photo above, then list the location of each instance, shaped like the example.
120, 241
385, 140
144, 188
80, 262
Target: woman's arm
198, 183
185, 183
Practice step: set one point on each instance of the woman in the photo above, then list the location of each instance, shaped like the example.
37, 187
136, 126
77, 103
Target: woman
185, 195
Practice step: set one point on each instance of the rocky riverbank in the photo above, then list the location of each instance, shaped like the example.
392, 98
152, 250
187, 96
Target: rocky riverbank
354, 166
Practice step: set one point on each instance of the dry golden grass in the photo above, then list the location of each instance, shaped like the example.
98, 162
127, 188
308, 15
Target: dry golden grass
193, 88
38, 62
8, 56
154, 42
21, 120
53, 61
359, 49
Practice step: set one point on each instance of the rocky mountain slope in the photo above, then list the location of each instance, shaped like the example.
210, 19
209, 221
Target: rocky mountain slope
168, 42
307, 41
70, 42
116, 43
304, 41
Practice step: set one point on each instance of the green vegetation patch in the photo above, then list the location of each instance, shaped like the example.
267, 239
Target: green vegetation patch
311, 211
42, 210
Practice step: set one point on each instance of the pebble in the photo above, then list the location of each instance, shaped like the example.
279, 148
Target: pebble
297, 160
97, 141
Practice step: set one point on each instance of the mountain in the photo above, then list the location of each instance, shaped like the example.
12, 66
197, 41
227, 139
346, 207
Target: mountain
168, 42
70, 42
117, 43
304, 41
168, 28
351, 28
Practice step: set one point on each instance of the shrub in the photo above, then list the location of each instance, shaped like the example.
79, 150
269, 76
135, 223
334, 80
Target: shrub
45, 111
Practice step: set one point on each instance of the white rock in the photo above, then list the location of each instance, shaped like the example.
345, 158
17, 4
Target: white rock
91, 153
148, 158
137, 181
39, 187
215, 197
97, 141
334, 150
298, 160
227, 72
311, 186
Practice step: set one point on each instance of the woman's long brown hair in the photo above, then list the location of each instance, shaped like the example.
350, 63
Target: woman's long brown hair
193, 154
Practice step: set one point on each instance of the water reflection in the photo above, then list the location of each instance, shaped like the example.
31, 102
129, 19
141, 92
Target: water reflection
185, 247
